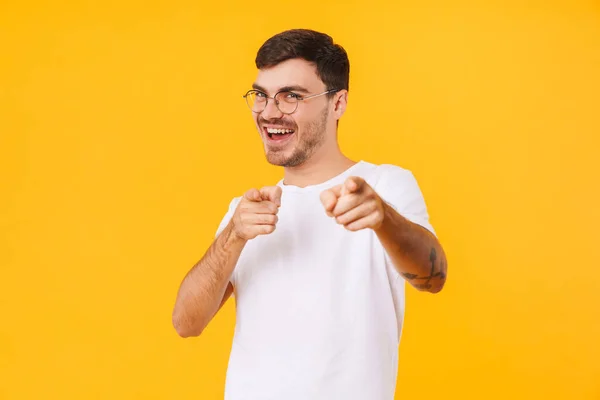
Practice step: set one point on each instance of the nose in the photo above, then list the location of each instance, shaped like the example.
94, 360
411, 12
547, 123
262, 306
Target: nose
271, 111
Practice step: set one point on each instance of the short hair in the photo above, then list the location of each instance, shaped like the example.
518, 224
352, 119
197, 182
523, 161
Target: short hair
331, 60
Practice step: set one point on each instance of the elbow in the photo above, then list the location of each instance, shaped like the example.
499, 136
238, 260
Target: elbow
440, 282
188, 333
432, 287
429, 288
436, 288
186, 328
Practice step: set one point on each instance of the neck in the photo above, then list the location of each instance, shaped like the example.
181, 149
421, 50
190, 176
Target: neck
321, 167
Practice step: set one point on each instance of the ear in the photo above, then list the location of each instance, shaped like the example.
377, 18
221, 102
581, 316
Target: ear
341, 101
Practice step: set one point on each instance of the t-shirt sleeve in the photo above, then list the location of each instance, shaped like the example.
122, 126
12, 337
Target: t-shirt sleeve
399, 188
224, 221
227, 217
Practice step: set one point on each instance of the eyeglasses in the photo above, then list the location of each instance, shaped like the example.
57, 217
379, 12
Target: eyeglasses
286, 101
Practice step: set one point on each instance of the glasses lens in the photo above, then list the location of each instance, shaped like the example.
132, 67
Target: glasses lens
287, 102
256, 101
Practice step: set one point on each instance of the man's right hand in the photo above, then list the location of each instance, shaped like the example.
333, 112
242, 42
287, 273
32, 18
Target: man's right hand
257, 212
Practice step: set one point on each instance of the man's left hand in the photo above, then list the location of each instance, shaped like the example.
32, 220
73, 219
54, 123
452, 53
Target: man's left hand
354, 204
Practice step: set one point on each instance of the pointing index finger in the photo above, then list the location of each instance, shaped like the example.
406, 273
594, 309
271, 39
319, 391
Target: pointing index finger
329, 198
271, 193
252, 195
353, 184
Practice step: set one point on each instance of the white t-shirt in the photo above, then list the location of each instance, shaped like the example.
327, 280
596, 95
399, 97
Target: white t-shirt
319, 309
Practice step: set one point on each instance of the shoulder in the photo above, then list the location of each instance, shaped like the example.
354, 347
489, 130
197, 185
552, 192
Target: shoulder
394, 171
398, 187
229, 214
395, 184
384, 175
234, 202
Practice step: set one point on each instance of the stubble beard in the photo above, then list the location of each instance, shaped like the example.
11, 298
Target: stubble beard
312, 138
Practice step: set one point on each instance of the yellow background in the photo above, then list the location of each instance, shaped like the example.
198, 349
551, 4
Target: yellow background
123, 137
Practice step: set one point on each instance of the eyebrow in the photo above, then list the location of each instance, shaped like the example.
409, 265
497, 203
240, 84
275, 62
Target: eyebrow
292, 88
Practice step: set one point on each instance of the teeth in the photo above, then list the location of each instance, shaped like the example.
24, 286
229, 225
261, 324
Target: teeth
279, 131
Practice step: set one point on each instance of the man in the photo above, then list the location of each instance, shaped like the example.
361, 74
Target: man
318, 262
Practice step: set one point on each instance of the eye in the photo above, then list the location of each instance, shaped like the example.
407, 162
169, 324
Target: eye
291, 95
260, 94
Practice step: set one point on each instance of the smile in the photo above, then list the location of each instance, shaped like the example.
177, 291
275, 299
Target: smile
278, 135
273, 131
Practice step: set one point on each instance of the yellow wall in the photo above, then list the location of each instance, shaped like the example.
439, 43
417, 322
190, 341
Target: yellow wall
123, 136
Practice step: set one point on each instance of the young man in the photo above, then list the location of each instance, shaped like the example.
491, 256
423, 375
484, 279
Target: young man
318, 262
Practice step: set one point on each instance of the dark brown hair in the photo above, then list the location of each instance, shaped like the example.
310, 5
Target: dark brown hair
331, 60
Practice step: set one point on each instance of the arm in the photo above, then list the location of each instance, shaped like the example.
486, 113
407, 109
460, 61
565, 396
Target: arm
206, 286
415, 252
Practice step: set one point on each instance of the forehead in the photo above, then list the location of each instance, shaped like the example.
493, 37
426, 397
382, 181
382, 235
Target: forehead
295, 72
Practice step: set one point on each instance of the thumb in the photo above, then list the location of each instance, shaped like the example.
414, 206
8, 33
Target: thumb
271, 193
252, 195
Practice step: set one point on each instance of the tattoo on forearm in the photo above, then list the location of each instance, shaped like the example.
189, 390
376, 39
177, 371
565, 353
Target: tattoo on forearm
442, 272
432, 258
410, 276
422, 285
433, 274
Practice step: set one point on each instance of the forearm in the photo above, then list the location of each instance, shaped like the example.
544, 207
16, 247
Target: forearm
201, 291
416, 253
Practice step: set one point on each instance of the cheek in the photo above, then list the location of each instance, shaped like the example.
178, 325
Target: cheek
255, 119
297, 121
297, 124
307, 121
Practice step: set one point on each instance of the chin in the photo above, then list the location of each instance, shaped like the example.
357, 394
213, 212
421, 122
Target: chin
278, 157
278, 160
287, 161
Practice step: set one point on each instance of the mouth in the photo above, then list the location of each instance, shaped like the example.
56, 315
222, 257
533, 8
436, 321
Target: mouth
278, 135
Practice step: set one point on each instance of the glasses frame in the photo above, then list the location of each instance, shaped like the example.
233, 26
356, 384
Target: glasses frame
298, 99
